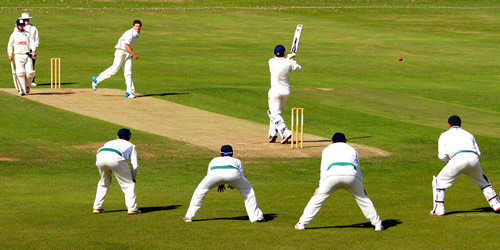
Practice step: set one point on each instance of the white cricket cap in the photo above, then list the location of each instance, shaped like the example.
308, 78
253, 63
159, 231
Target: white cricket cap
25, 16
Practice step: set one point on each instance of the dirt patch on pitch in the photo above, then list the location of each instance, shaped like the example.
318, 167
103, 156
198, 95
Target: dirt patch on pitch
195, 126
8, 159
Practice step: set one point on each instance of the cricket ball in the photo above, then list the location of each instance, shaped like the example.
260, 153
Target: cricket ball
400, 59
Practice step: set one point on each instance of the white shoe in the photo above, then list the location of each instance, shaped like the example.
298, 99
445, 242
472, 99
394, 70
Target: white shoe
33, 84
300, 226
131, 96
379, 227
286, 136
439, 211
496, 207
186, 219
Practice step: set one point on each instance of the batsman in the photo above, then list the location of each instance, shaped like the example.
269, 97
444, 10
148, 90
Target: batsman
280, 68
20, 44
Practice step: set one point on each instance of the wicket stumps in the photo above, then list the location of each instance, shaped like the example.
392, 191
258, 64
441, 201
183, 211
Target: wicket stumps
55, 73
296, 136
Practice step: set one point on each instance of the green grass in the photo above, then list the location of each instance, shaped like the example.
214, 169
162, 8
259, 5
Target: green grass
216, 59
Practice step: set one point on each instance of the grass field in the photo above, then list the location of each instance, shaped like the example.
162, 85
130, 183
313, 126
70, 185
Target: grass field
213, 55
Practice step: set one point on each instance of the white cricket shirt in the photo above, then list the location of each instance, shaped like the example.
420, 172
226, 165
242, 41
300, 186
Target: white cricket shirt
339, 159
35, 38
21, 41
222, 163
280, 68
130, 37
455, 140
127, 150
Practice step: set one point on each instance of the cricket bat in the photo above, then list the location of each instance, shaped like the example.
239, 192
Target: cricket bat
14, 77
296, 39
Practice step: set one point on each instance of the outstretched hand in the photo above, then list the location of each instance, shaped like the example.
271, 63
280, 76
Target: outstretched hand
221, 188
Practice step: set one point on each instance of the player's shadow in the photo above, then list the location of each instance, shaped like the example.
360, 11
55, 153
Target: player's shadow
52, 93
267, 217
475, 210
328, 140
148, 209
161, 208
48, 84
387, 224
163, 94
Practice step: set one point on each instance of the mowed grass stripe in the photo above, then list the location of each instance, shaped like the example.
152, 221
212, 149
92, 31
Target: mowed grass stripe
407, 108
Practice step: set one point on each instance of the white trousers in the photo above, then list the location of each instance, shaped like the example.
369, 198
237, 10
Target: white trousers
277, 102
329, 186
468, 164
233, 178
24, 71
122, 58
107, 163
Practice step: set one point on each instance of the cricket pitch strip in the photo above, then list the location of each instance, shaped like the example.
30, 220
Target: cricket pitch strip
179, 122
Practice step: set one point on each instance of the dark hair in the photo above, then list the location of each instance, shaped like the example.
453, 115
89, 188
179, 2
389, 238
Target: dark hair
455, 120
137, 21
124, 134
338, 137
226, 150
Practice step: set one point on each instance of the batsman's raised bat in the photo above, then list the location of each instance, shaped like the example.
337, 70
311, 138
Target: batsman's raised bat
296, 39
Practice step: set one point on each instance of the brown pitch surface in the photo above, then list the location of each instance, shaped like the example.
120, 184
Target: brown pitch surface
179, 122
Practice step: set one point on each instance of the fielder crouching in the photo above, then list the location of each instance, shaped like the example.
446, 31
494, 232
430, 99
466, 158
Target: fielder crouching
112, 159
225, 170
22, 43
459, 150
340, 169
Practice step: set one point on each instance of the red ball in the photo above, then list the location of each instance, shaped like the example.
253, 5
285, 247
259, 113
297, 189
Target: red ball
401, 59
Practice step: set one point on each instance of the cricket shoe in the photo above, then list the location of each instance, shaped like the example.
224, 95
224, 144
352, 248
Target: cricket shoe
33, 84
300, 226
272, 139
94, 82
286, 138
439, 211
98, 211
129, 95
261, 220
135, 212
186, 219
379, 227
496, 207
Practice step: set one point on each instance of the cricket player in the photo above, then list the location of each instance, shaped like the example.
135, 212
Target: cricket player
225, 170
28, 26
459, 150
280, 68
123, 57
112, 159
20, 44
340, 169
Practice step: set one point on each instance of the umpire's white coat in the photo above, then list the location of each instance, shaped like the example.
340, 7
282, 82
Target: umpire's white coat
340, 169
112, 158
226, 170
